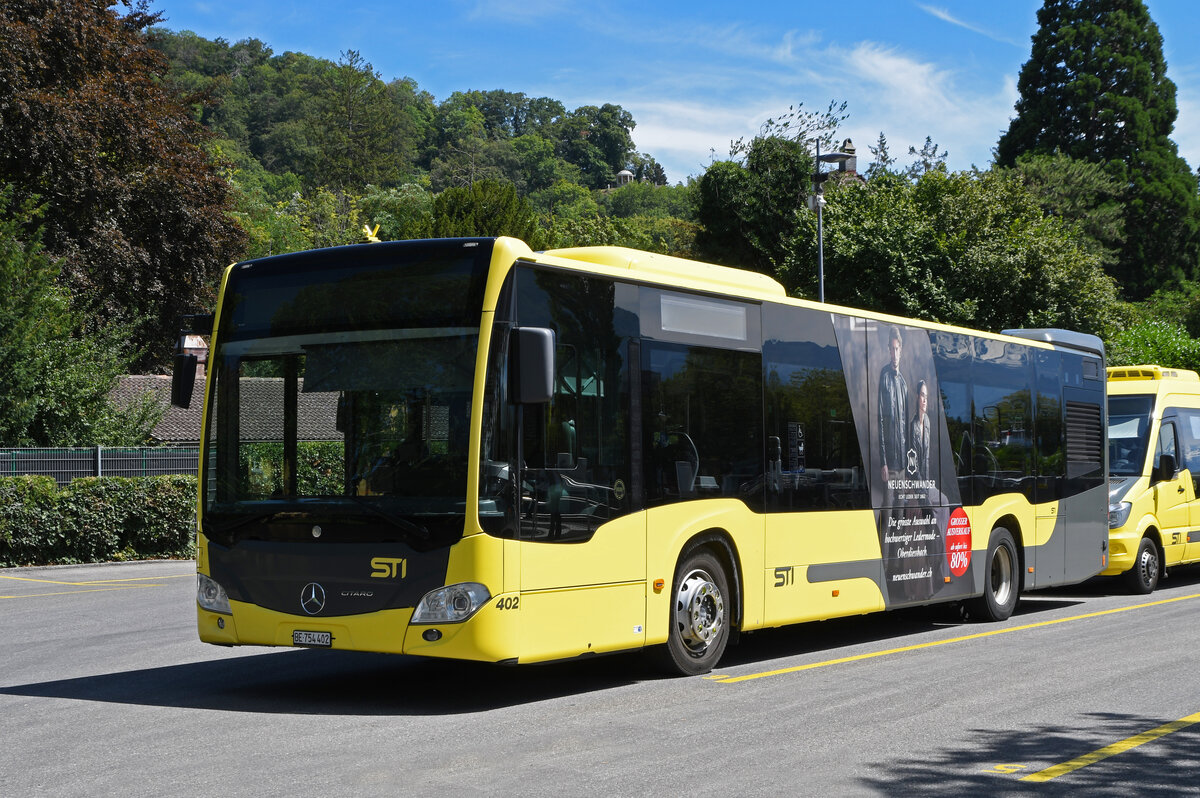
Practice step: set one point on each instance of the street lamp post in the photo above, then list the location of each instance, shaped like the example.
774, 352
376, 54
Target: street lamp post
819, 178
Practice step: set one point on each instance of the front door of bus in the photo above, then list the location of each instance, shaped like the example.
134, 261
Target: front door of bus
1172, 495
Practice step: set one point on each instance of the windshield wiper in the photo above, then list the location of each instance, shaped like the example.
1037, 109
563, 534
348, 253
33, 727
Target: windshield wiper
395, 520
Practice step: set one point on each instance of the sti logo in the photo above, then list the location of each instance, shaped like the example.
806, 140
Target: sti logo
389, 567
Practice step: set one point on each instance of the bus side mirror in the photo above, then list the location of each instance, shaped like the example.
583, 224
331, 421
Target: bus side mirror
183, 370
531, 365
183, 379
1166, 467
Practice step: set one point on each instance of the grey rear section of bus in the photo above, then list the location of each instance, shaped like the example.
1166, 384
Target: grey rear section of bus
1084, 516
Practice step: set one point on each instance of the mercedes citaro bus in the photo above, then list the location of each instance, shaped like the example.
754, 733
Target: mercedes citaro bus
467, 449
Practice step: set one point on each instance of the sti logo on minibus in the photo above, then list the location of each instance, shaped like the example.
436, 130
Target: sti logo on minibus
389, 567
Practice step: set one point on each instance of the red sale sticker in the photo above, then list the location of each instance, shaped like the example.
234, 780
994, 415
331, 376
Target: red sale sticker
958, 542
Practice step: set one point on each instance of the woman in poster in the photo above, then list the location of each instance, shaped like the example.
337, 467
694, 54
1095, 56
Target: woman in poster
919, 432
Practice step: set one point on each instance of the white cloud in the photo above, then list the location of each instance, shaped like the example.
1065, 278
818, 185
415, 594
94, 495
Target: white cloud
887, 90
908, 100
1187, 127
946, 16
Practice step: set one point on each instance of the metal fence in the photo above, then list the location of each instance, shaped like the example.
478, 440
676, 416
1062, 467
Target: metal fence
99, 461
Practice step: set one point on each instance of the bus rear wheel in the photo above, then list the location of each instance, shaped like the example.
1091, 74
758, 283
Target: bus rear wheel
1001, 581
699, 615
1142, 578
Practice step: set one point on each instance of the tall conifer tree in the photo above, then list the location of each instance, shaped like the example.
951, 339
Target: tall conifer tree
1095, 88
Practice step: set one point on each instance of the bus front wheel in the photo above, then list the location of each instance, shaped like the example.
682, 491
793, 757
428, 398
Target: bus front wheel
1001, 579
1142, 578
699, 615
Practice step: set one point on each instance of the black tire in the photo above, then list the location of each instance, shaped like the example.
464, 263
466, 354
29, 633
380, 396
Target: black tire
699, 615
1142, 578
1001, 579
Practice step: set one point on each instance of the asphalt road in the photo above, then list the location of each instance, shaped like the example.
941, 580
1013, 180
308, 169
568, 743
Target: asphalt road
104, 690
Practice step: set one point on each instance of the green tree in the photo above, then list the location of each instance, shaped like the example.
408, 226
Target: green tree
1177, 305
401, 213
1154, 341
467, 152
648, 199
355, 128
595, 231
969, 248
138, 214
881, 159
54, 382
928, 159
748, 207
319, 218
539, 167
485, 208
748, 210
1095, 88
1080, 193
415, 120
598, 140
565, 200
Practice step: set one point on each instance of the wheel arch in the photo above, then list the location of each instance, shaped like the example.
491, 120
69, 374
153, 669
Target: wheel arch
1013, 525
1155, 537
721, 544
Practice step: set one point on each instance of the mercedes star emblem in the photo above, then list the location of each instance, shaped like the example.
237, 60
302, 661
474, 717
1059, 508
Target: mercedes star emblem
312, 598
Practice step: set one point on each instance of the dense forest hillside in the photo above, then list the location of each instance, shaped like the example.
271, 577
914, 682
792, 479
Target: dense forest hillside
136, 162
316, 147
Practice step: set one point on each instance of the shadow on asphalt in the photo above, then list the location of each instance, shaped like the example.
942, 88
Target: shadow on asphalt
1166, 768
302, 681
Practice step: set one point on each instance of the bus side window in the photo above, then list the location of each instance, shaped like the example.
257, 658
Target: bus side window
700, 441
1189, 433
814, 461
1165, 446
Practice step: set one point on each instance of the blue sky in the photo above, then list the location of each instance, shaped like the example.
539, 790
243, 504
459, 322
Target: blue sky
697, 75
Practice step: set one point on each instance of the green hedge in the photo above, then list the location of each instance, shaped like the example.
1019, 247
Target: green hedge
96, 519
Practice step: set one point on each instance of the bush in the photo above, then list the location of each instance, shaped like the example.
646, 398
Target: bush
95, 519
1155, 341
30, 525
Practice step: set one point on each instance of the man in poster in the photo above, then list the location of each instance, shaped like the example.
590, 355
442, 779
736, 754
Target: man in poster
893, 414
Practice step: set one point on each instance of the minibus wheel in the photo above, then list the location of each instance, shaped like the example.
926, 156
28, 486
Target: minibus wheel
1142, 578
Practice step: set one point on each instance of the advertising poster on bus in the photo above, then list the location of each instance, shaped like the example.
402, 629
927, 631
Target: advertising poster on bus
924, 534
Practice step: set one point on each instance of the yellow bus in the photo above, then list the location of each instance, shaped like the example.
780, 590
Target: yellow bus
467, 449
1154, 457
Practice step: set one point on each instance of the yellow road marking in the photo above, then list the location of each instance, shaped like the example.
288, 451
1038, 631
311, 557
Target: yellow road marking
1112, 750
729, 679
96, 581
76, 592
132, 583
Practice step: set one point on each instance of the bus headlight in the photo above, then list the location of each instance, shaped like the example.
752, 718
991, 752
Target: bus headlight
1118, 514
211, 596
451, 604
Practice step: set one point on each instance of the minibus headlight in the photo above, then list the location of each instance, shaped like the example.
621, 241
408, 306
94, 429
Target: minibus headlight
451, 604
1118, 514
211, 596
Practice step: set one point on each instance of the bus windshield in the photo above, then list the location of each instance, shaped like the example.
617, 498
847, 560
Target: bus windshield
1128, 433
344, 392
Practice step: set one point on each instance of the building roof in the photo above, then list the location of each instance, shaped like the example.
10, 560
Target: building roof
178, 425
317, 411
